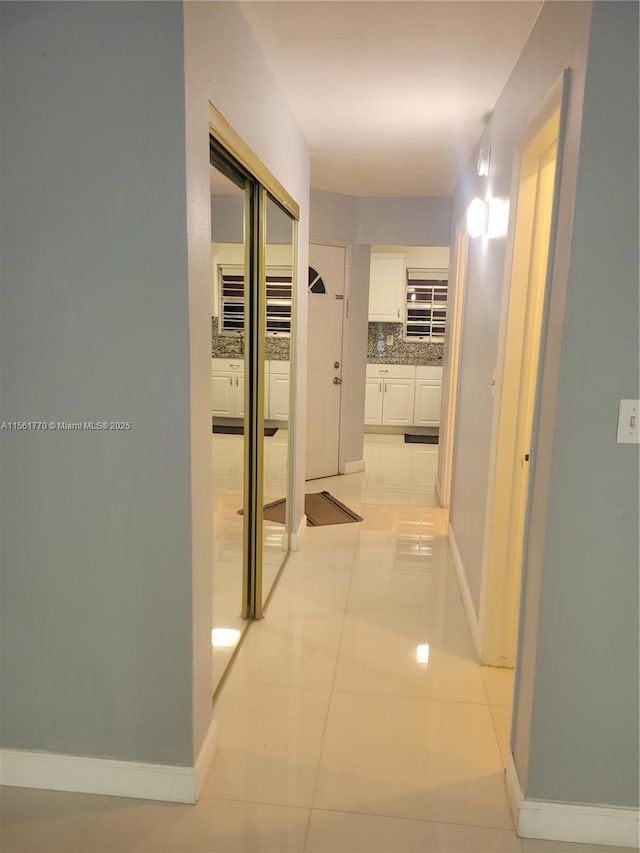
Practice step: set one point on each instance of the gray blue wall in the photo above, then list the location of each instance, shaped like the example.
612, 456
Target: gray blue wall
575, 733
584, 729
96, 533
420, 221
557, 41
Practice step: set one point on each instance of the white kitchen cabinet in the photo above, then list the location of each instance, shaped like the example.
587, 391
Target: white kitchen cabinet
222, 396
428, 396
389, 397
387, 287
427, 403
398, 402
373, 401
279, 386
227, 388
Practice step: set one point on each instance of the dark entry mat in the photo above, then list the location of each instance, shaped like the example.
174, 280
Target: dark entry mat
320, 508
224, 429
409, 438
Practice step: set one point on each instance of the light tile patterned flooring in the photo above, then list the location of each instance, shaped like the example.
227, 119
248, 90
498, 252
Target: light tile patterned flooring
334, 738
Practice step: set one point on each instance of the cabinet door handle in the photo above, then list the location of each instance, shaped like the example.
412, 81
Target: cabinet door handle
379, 387
231, 381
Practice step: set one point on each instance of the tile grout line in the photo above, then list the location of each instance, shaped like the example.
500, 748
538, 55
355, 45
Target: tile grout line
331, 693
418, 820
493, 720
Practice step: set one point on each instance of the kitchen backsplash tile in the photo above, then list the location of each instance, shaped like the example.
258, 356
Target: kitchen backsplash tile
232, 346
401, 351
378, 352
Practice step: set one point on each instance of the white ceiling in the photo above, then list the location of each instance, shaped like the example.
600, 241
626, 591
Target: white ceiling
391, 96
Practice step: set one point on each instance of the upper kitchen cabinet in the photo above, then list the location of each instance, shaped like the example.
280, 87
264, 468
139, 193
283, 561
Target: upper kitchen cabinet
387, 288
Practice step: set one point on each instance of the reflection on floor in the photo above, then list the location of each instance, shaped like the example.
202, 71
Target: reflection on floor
227, 466
355, 717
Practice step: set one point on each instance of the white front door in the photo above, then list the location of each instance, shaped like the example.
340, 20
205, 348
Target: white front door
324, 378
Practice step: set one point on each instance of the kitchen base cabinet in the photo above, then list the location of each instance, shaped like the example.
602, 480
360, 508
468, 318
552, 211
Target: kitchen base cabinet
278, 398
427, 405
373, 401
402, 395
222, 396
279, 389
428, 395
389, 396
398, 402
227, 389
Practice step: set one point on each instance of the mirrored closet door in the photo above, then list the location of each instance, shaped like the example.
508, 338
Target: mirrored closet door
228, 218
253, 251
278, 298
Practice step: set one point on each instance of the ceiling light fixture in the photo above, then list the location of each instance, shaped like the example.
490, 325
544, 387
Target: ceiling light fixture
498, 217
488, 218
484, 159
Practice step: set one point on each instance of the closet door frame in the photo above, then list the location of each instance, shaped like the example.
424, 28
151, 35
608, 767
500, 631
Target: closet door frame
261, 183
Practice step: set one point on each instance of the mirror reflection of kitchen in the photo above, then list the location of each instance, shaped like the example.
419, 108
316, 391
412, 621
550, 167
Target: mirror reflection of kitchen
227, 404
227, 378
279, 310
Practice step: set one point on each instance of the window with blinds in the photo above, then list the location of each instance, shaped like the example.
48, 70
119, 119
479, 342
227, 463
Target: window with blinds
426, 305
279, 295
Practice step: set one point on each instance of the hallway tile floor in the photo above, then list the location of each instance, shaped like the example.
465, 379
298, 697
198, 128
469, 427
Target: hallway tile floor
355, 718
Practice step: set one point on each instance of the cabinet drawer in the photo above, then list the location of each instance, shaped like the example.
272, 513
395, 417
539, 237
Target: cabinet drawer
227, 365
279, 368
391, 371
429, 371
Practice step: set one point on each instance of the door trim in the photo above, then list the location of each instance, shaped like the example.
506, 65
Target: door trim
451, 377
500, 592
220, 128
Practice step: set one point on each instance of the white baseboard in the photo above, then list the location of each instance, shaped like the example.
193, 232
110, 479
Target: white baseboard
467, 600
353, 467
22, 768
205, 757
439, 492
570, 822
298, 536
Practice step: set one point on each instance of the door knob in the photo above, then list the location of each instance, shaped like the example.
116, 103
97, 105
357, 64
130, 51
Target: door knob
337, 380
336, 364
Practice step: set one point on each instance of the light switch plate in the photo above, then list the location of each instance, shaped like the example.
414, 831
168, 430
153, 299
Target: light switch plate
628, 432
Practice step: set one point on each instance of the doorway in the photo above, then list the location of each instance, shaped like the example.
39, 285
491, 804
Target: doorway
516, 403
408, 323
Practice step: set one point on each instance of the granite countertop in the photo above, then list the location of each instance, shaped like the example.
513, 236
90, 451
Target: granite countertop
232, 346
399, 351
388, 358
